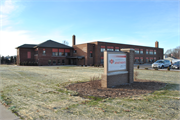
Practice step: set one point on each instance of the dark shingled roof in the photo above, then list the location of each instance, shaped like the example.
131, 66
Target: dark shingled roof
27, 46
52, 44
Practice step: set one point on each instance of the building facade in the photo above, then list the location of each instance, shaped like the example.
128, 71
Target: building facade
54, 53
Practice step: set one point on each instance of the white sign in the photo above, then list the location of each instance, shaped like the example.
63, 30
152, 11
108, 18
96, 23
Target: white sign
116, 62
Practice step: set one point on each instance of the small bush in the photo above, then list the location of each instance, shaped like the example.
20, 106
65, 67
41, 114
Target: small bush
138, 67
146, 68
94, 83
155, 68
25, 63
95, 65
135, 75
30, 63
168, 68
81, 65
85, 65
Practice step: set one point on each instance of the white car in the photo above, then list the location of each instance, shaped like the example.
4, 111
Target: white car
161, 64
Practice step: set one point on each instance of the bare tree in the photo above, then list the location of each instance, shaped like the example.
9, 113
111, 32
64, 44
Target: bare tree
173, 52
65, 42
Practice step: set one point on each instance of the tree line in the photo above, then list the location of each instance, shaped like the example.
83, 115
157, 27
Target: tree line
175, 52
8, 59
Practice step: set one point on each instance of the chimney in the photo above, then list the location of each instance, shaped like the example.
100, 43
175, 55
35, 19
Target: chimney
73, 40
156, 44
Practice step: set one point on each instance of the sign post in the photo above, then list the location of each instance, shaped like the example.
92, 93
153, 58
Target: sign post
116, 68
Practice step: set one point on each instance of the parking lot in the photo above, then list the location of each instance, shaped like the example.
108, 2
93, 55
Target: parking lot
143, 66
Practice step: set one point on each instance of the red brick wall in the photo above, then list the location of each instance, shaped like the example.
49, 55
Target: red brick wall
40, 58
43, 59
90, 60
99, 54
23, 55
81, 51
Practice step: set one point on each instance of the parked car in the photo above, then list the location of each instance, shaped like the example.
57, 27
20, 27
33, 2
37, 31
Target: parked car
176, 65
161, 64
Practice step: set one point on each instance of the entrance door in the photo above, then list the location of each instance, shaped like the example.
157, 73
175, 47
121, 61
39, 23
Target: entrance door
74, 62
71, 60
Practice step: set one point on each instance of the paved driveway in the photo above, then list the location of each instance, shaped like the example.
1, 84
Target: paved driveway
6, 114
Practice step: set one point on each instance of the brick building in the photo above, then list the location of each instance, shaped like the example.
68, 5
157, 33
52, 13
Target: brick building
54, 53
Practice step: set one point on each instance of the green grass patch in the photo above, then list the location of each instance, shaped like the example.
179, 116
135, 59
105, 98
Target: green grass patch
171, 87
94, 100
5, 99
62, 91
73, 106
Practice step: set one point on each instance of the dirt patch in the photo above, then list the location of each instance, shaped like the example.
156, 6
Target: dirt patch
94, 88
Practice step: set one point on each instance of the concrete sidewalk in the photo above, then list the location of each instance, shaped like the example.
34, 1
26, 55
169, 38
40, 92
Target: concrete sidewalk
6, 114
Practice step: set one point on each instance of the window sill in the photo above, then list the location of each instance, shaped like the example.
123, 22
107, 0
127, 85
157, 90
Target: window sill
58, 56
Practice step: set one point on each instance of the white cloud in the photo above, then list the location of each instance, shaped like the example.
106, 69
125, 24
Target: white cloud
12, 39
7, 7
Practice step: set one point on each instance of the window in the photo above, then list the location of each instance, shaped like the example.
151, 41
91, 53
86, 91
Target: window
49, 62
136, 51
63, 61
141, 59
154, 59
44, 51
102, 60
141, 51
75, 51
154, 52
151, 59
61, 52
54, 61
147, 60
103, 48
151, 52
67, 52
58, 61
136, 59
55, 52
29, 55
91, 54
116, 48
147, 51
110, 48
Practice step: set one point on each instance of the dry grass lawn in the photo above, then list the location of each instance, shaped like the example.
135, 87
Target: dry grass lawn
39, 93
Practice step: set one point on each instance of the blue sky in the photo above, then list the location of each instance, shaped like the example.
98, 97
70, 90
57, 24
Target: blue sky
138, 22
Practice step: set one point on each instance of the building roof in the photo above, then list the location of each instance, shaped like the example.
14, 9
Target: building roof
52, 44
26, 46
48, 43
124, 44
